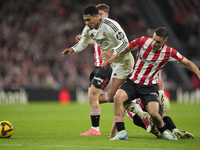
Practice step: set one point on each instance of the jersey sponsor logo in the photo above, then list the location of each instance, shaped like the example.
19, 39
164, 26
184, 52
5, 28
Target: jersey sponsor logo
101, 41
148, 61
144, 48
120, 36
99, 80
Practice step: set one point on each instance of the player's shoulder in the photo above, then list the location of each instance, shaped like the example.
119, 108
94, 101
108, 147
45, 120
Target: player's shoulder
142, 39
146, 38
169, 49
108, 20
110, 23
86, 29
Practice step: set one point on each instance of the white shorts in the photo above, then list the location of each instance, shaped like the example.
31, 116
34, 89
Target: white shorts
123, 68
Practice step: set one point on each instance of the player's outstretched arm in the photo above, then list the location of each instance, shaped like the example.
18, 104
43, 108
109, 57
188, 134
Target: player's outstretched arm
113, 130
191, 66
79, 37
67, 51
108, 62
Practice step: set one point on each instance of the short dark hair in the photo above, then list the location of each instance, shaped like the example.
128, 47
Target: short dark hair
162, 32
90, 10
103, 7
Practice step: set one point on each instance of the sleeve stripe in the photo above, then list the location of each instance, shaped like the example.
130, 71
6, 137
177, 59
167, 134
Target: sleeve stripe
75, 45
114, 27
122, 47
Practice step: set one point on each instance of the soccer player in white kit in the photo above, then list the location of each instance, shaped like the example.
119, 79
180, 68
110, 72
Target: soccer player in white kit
98, 72
109, 35
153, 54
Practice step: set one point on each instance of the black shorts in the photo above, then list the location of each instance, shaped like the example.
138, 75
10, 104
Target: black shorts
160, 110
146, 93
100, 77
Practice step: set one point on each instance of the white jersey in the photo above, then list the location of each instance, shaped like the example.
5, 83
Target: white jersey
108, 36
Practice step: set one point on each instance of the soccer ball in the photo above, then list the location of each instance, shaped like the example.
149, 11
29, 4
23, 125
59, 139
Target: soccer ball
6, 129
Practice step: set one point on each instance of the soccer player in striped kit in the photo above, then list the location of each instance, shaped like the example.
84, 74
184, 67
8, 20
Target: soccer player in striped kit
169, 124
109, 35
153, 54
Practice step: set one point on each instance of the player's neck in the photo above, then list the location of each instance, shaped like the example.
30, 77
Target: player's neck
98, 24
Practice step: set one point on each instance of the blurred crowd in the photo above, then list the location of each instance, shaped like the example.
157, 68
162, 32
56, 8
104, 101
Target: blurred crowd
186, 17
33, 33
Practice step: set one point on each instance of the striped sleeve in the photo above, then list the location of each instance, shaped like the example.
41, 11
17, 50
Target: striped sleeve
175, 55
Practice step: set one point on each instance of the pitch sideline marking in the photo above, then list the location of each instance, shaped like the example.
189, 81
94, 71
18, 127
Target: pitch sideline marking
83, 146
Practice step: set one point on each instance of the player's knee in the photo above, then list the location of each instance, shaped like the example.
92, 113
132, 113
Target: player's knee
92, 96
118, 99
154, 114
111, 97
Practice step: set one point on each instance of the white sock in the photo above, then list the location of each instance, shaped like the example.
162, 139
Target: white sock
137, 110
96, 128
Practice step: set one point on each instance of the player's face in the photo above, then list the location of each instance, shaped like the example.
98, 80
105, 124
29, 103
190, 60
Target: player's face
157, 42
91, 21
103, 14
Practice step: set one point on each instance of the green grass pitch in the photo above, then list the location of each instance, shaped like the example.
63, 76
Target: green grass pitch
51, 125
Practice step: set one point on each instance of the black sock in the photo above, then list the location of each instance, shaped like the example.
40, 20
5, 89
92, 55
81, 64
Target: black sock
95, 120
120, 126
138, 121
162, 129
169, 123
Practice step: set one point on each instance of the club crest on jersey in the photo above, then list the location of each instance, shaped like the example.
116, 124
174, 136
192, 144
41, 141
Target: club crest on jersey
104, 34
120, 36
162, 55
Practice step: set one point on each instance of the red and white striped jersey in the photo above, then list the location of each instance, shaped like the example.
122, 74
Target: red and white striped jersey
149, 62
97, 52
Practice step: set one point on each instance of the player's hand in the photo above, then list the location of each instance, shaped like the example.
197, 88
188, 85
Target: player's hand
106, 63
78, 38
106, 55
111, 135
67, 51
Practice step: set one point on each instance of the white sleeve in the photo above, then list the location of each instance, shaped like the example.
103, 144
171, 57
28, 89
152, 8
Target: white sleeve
118, 36
83, 43
123, 42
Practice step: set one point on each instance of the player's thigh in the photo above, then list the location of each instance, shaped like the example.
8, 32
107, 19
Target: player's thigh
94, 93
115, 83
120, 96
152, 108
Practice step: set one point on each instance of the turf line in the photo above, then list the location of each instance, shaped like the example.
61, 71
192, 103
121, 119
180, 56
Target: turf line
66, 146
